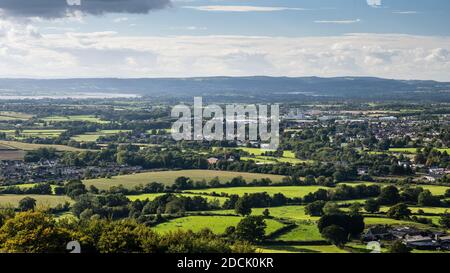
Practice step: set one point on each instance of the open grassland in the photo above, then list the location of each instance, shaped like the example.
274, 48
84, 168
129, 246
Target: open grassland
9, 153
30, 147
217, 224
85, 118
301, 249
8, 116
152, 196
93, 137
28, 186
288, 191
41, 200
168, 177
259, 157
434, 189
305, 231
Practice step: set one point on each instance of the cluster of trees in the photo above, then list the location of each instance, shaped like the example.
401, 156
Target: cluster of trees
41, 154
22, 233
432, 157
338, 228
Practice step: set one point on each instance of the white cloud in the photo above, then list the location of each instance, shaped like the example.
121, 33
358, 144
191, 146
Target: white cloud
241, 8
406, 12
120, 19
374, 3
24, 52
337, 21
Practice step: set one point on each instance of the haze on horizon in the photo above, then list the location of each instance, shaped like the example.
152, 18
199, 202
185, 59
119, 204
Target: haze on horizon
396, 39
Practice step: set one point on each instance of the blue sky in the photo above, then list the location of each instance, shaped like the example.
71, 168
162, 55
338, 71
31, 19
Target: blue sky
405, 39
319, 18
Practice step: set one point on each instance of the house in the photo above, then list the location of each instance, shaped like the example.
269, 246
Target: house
377, 233
363, 171
212, 160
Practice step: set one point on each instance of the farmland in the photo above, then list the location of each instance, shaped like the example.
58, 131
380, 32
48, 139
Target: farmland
42, 200
32, 133
288, 191
93, 137
217, 224
84, 118
30, 147
168, 177
11, 116
152, 196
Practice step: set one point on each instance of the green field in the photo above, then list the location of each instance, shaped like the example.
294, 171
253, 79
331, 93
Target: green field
8, 116
85, 118
288, 191
31, 147
93, 137
168, 177
33, 133
42, 200
305, 231
217, 224
152, 196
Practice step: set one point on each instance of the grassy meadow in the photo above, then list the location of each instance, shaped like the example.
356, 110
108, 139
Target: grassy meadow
168, 177
41, 200
217, 224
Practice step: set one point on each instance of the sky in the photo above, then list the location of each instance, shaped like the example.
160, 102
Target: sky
401, 39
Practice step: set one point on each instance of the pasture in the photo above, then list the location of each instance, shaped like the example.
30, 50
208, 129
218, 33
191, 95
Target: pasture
32, 133
168, 177
305, 231
10, 153
41, 200
217, 224
85, 118
9, 116
152, 196
288, 191
30, 147
93, 137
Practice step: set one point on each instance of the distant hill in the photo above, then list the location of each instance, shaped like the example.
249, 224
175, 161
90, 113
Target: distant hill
244, 88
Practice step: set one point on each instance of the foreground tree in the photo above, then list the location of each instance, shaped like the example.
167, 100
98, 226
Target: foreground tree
33, 232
